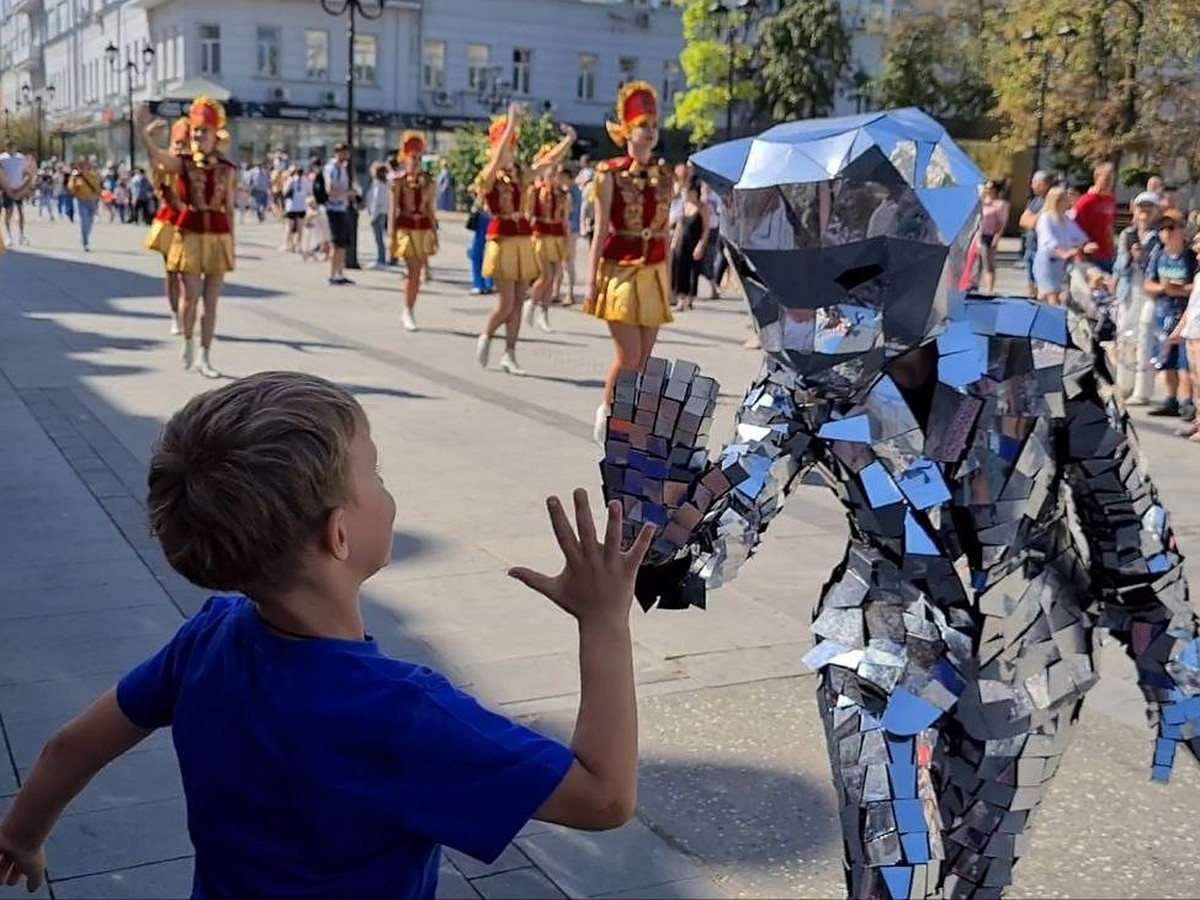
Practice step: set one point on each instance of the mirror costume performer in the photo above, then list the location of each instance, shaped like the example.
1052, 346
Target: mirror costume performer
955, 640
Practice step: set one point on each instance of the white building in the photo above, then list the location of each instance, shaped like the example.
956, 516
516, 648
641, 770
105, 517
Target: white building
281, 65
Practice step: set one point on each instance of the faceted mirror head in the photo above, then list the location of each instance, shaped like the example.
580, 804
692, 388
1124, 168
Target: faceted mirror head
850, 237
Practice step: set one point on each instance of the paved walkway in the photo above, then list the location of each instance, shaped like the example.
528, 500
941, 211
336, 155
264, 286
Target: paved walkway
735, 797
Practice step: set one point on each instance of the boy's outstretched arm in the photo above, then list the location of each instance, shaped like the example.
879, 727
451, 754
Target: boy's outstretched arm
596, 587
68, 762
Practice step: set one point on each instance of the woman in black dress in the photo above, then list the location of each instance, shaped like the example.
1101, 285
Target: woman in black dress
688, 246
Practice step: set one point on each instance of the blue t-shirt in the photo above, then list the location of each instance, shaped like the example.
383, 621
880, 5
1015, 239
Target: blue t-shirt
322, 768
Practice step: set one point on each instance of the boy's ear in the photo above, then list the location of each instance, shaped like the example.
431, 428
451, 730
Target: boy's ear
334, 538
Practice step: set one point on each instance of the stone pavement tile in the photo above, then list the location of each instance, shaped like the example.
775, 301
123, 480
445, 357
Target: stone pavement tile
453, 886
583, 864
139, 588
26, 739
58, 700
42, 663
170, 880
469, 866
69, 576
62, 629
699, 888
519, 884
8, 777
118, 838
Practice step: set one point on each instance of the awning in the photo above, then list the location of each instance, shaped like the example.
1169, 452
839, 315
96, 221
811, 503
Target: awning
196, 87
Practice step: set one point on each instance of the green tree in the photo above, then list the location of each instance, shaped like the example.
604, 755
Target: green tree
805, 54
705, 61
928, 63
469, 154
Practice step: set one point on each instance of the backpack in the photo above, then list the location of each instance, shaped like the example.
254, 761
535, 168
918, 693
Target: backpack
320, 194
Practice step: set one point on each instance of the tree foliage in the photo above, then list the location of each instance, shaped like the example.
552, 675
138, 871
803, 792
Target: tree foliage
705, 61
929, 62
469, 154
805, 53
23, 131
1110, 81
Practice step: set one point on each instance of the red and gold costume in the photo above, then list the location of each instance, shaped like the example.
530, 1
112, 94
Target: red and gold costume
632, 283
549, 207
509, 254
203, 242
162, 230
414, 229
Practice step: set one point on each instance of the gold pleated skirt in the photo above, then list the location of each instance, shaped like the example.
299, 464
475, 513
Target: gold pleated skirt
162, 233
633, 295
415, 245
550, 248
201, 254
511, 258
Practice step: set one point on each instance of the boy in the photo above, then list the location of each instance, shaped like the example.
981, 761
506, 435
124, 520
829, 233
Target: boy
313, 765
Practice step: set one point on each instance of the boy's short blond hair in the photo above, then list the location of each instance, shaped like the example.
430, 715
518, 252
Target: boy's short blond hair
244, 477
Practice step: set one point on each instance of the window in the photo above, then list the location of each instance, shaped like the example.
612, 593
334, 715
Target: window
316, 55
626, 69
366, 54
585, 81
670, 82
433, 65
477, 66
210, 49
267, 64
521, 59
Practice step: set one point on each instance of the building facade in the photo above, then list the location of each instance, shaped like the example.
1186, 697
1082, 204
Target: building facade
282, 66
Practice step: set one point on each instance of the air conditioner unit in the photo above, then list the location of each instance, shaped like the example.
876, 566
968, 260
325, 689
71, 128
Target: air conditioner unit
443, 98
330, 98
641, 19
279, 95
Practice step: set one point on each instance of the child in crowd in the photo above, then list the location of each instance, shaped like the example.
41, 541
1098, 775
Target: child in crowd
317, 235
1187, 332
312, 764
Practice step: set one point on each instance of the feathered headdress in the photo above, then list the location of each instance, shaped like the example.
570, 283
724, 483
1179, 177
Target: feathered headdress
637, 104
209, 113
412, 144
181, 131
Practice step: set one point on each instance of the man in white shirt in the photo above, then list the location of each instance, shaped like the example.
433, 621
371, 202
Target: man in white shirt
337, 208
19, 177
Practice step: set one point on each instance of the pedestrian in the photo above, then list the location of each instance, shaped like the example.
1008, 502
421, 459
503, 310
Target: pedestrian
477, 223
1169, 278
316, 231
1059, 241
297, 191
689, 246
627, 283
86, 190
377, 201
412, 221
993, 220
445, 188
338, 190
1188, 332
713, 266
509, 257
312, 764
1136, 246
202, 249
20, 176
1096, 214
162, 232
575, 224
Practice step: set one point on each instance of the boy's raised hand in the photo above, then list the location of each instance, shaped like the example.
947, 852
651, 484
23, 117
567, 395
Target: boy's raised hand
597, 578
18, 862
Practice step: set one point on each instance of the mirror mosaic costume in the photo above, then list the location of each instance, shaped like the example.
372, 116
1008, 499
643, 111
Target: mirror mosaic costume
955, 639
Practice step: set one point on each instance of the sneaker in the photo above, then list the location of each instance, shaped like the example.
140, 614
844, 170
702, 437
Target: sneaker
542, 318
410, 324
205, 368
344, 280
482, 348
600, 425
377, 266
175, 329
475, 291
508, 362
188, 353
334, 282
1169, 409
1186, 430
1187, 410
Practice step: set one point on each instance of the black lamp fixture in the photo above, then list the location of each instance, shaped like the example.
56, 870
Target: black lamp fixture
132, 70
1034, 42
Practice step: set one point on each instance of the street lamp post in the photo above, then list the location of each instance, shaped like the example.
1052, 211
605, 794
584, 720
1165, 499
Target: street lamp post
132, 69
735, 28
36, 102
368, 9
1033, 40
